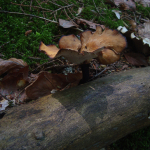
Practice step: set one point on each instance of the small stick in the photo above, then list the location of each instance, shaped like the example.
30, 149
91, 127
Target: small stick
3, 11
97, 9
59, 66
7, 43
98, 74
63, 7
21, 7
31, 6
36, 58
5, 97
43, 65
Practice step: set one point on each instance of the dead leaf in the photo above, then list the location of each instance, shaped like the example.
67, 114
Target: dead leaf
11, 64
28, 32
14, 80
123, 4
144, 32
91, 24
126, 4
136, 59
66, 24
79, 11
124, 67
47, 82
117, 13
3, 104
15, 76
145, 3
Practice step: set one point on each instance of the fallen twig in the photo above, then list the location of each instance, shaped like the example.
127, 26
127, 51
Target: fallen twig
31, 6
59, 66
7, 43
5, 97
36, 58
97, 9
43, 65
98, 74
3, 11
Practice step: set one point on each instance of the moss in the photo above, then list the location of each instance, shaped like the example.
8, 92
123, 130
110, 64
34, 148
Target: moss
145, 11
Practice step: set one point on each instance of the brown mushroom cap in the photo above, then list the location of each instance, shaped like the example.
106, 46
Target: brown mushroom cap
84, 37
107, 56
111, 39
70, 42
50, 50
105, 46
78, 58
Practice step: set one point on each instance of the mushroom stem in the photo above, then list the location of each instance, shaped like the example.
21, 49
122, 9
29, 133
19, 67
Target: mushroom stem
85, 72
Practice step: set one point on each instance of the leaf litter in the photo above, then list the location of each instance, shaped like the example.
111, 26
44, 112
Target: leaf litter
18, 84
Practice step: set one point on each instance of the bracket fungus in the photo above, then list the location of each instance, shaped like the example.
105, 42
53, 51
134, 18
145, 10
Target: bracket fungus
105, 46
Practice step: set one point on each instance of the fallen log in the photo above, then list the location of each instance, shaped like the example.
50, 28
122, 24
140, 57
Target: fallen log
89, 116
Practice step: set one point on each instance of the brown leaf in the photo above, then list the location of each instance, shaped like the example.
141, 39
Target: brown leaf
91, 24
47, 82
136, 59
11, 64
66, 24
28, 32
145, 3
14, 80
144, 32
123, 4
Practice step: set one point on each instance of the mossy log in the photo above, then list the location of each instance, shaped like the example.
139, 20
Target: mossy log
87, 117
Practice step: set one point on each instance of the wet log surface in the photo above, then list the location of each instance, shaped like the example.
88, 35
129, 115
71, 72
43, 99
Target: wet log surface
86, 117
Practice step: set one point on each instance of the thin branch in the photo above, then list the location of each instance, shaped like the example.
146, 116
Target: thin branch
97, 9
70, 18
54, 3
7, 43
21, 7
98, 74
60, 66
62, 7
5, 97
3, 11
31, 6
43, 65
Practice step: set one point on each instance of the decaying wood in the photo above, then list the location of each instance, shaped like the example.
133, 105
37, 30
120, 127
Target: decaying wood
89, 116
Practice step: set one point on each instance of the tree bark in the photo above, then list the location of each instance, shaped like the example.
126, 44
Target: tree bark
87, 117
